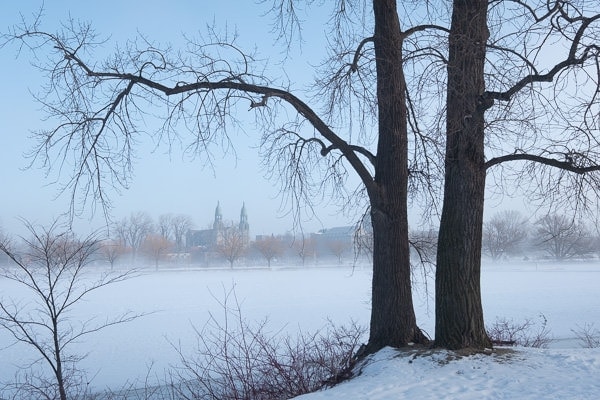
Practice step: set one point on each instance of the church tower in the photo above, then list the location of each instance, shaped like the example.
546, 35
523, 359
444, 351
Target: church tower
244, 225
218, 224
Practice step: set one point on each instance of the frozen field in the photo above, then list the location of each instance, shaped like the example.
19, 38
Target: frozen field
567, 295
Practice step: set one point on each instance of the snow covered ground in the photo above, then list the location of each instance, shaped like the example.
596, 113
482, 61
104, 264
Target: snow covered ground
523, 373
566, 295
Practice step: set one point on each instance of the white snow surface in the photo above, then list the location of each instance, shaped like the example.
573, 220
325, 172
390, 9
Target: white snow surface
520, 373
566, 294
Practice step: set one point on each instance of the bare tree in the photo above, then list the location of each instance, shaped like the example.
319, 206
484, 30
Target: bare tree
180, 225
112, 250
363, 81
270, 247
562, 237
509, 110
503, 233
338, 248
232, 244
133, 230
174, 227
156, 246
521, 105
165, 226
305, 247
52, 268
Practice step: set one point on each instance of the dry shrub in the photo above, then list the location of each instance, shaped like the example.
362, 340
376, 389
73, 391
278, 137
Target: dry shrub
588, 336
236, 359
32, 383
527, 333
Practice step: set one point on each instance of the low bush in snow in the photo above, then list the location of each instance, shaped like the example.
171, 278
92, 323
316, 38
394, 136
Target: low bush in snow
236, 359
588, 336
526, 333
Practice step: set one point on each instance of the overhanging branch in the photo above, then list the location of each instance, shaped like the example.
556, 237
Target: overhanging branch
349, 151
568, 164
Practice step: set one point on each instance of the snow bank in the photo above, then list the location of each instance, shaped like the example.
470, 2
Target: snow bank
520, 373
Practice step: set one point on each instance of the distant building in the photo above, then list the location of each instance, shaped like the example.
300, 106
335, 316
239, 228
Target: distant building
338, 233
244, 226
337, 241
208, 239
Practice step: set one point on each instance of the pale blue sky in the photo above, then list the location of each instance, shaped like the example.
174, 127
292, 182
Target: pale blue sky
161, 183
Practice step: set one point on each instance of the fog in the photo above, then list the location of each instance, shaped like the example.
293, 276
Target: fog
292, 298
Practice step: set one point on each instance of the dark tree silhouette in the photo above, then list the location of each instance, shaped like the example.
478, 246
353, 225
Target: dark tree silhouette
522, 100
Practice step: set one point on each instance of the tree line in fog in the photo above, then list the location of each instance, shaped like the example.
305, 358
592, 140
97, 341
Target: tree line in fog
511, 235
139, 238
506, 235
554, 236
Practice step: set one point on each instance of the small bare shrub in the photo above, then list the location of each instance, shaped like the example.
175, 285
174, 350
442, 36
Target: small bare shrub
527, 333
32, 384
588, 336
51, 268
239, 360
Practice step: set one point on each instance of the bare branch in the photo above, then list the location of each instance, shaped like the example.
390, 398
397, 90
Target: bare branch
420, 28
358, 52
568, 164
100, 126
538, 18
572, 60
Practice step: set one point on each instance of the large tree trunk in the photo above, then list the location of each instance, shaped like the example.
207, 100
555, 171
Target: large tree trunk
459, 314
393, 321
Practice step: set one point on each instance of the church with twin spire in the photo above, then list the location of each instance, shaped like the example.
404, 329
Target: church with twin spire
208, 239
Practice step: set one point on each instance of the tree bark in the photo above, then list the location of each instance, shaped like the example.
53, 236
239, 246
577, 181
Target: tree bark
459, 313
393, 321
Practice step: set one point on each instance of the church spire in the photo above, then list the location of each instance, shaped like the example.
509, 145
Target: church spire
244, 226
218, 224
